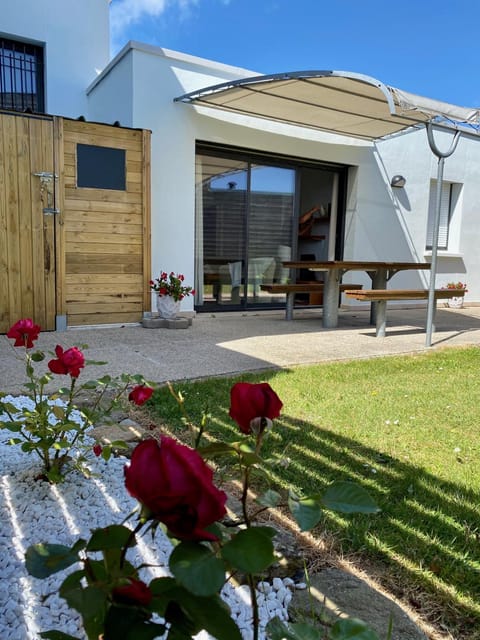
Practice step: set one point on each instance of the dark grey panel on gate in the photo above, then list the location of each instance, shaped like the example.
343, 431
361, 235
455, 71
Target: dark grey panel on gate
101, 167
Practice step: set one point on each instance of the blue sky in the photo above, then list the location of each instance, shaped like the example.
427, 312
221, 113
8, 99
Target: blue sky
426, 47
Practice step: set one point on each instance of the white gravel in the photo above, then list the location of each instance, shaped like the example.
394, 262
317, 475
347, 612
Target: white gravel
33, 511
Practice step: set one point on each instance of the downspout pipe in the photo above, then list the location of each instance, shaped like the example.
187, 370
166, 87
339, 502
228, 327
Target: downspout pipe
441, 155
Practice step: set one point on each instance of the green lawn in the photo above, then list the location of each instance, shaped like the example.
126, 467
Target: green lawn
407, 429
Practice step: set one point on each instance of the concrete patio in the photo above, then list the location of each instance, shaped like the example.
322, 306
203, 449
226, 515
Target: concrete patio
233, 343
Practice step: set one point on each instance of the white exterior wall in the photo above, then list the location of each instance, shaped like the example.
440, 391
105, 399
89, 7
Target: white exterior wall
112, 99
381, 223
76, 37
409, 154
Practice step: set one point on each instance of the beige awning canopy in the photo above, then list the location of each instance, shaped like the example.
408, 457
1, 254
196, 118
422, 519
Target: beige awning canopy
339, 102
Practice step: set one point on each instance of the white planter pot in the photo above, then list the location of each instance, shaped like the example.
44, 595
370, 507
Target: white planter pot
456, 302
167, 307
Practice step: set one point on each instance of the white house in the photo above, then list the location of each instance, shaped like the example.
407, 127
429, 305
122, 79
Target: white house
230, 189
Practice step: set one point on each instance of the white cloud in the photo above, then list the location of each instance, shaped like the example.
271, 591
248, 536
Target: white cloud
123, 13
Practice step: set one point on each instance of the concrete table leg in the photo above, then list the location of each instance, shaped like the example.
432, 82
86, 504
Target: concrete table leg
289, 305
379, 281
381, 321
331, 293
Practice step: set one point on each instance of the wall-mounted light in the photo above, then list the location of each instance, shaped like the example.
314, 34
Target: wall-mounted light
398, 181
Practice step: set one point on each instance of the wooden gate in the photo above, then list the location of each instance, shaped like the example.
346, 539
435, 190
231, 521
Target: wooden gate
27, 220
106, 223
74, 222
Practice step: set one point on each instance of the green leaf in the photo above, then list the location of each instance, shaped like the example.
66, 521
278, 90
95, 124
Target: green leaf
119, 444
106, 453
57, 635
43, 560
91, 384
278, 630
128, 623
71, 582
105, 380
269, 499
14, 427
96, 362
250, 550
197, 569
211, 614
58, 412
90, 602
351, 629
306, 511
115, 536
247, 453
348, 497
8, 406
163, 590
37, 356
216, 449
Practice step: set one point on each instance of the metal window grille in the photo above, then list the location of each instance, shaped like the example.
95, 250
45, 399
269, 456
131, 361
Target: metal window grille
21, 76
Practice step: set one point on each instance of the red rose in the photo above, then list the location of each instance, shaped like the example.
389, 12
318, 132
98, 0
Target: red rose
24, 332
97, 449
140, 394
67, 362
135, 592
175, 484
249, 401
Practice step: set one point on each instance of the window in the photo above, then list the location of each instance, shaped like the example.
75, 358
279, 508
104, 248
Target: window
21, 76
449, 206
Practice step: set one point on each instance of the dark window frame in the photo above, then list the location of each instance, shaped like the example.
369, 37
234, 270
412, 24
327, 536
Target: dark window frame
21, 76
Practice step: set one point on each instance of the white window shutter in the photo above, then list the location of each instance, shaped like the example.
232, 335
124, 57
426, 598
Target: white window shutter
445, 205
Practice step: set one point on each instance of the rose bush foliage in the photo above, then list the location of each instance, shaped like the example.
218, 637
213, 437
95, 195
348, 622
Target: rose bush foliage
56, 429
174, 486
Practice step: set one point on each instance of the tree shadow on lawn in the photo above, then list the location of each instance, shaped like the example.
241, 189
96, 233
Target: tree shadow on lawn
428, 531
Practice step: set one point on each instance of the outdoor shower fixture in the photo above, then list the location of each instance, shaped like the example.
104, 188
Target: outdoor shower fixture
397, 181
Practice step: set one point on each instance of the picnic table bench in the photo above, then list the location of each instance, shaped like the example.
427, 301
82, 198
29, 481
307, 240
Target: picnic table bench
300, 287
381, 296
380, 272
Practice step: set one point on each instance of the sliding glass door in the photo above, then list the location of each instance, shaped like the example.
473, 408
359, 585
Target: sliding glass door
254, 212
270, 224
244, 229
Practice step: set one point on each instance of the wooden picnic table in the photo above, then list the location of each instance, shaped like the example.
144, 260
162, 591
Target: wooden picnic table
380, 273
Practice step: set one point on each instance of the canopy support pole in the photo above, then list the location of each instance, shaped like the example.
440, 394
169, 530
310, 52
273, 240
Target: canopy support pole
441, 155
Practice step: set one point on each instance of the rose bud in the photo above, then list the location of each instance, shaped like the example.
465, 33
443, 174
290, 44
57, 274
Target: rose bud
135, 592
249, 401
140, 394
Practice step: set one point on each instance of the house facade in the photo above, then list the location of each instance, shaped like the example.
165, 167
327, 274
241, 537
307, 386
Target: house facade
232, 196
